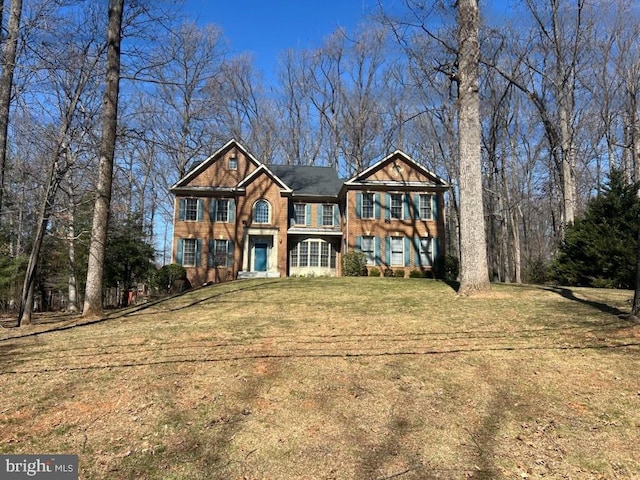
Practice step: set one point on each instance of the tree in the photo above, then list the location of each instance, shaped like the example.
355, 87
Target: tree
600, 249
6, 83
99, 228
474, 275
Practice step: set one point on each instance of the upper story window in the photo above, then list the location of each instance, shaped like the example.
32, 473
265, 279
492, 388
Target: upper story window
327, 215
300, 213
261, 212
396, 205
425, 206
222, 210
233, 163
367, 205
191, 209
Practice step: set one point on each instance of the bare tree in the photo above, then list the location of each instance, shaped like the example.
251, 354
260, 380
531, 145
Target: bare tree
6, 83
474, 276
99, 229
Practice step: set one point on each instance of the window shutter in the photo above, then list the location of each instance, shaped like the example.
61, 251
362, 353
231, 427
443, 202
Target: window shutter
336, 215
198, 252
435, 247
387, 251
376, 206
359, 243
376, 244
319, 212
211, 254
435, 211
405, 207
358, 204
416, 207
232, 210
307, 208
182, 206
407, 252
387, 205
179, 251
212, 210
416, 250
230, 259
200, 209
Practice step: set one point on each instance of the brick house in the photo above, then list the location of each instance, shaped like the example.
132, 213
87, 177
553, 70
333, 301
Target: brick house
236, 217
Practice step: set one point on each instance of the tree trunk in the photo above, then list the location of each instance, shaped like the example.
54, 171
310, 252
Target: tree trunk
99, 228
72, 288
474, 275
6, 84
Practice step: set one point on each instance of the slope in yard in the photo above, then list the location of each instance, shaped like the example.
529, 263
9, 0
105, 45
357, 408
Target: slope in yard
345, 378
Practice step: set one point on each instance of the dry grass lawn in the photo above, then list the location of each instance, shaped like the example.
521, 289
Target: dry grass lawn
347, 378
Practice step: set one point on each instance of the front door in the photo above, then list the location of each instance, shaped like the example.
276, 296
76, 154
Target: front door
260, 259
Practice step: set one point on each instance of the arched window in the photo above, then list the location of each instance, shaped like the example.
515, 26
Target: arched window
261, 212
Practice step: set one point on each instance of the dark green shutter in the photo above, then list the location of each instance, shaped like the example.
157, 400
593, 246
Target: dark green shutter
230, 259
435, 207
179, 252
416, 207
198, 252
376, 245
387, 251
200, 204
182, 207
212, 210
407, 252
232, 210
307, 208
320, 212
358, 204
387, 206
211, 254
336, 215
376, 206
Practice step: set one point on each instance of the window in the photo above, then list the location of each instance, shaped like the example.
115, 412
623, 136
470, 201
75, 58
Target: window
300, 213
396, 205
189, 252
222, 210
327, 215
425, 206
313, 253
324, 254
367, 205
397, 251
220, 253
191, 209
304, 254
367, 246
233, 163
425, 252
261, 212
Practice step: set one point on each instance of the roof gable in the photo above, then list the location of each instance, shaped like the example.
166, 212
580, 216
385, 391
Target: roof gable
397, 169
196, 177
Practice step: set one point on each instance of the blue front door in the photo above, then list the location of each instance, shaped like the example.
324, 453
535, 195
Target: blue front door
260, 261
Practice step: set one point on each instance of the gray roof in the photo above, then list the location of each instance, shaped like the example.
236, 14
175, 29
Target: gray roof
306, 180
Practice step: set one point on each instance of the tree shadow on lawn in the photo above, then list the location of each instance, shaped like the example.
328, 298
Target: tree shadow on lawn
570, 295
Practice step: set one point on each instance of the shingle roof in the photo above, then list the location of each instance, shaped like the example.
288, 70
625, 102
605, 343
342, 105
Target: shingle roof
307, 180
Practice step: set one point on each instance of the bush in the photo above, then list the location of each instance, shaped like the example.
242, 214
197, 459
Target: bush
388, 272
399, 273
537, 272
600, 247
374, 272
172, 278
416, 274
447, 268
354, 264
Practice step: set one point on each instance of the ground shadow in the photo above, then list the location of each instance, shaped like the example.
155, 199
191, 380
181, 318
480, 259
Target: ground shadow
569, 295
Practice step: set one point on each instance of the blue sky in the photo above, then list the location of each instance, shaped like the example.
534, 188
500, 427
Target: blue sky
267, 27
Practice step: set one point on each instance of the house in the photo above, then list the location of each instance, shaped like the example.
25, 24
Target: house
236, 217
